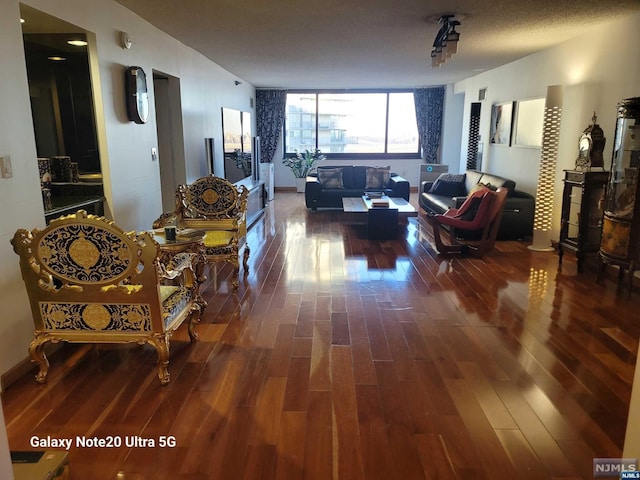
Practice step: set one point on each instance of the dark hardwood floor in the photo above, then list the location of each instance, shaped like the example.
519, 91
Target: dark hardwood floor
347, 358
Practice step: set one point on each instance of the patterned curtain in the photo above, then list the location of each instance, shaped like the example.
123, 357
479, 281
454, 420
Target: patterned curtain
270, 112
429, 105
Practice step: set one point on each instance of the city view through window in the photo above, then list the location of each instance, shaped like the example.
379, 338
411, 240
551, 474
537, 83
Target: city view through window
352, 123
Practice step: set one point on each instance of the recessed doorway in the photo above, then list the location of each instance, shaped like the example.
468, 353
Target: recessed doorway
171, 159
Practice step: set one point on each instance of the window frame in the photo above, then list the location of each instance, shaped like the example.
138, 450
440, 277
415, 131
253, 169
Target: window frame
353, 156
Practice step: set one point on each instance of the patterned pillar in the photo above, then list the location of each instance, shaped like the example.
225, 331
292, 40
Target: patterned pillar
474, 136
543, 217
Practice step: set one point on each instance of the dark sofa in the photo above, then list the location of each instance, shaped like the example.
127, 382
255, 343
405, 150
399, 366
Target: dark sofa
450, 191
327, 187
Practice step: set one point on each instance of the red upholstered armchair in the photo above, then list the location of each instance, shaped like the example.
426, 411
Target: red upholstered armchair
481, 212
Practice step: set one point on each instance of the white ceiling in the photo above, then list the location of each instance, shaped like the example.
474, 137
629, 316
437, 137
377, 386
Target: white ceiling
368, 43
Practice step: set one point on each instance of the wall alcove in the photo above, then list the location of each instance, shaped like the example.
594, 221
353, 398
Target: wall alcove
63, 113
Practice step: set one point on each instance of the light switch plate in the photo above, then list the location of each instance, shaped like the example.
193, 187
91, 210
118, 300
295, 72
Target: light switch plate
154, 154
5, 167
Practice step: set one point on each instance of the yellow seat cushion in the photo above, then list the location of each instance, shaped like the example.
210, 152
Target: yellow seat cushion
217, 238
166, 291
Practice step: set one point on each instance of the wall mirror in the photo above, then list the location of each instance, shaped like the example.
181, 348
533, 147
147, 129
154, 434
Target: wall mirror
528, 123
236, 134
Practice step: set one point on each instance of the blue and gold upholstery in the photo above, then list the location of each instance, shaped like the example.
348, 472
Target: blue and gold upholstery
90, 282
216, 206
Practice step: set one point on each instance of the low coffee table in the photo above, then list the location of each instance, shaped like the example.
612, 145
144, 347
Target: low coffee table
382, 222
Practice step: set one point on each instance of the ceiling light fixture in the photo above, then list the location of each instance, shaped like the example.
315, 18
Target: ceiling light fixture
77, 43
446, 43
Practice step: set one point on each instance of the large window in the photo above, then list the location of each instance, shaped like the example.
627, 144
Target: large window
363, 124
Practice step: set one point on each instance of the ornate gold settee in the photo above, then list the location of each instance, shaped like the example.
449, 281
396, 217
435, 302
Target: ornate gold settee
90, 282
217, 207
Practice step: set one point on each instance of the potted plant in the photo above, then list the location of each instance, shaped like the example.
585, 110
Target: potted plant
302, 164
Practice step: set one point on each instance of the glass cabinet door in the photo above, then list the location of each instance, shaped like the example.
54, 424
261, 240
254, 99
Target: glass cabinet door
624, 170
573, 217
620, 244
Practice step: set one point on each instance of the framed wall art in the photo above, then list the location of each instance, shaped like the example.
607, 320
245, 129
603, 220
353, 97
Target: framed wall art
501, 123
528, 124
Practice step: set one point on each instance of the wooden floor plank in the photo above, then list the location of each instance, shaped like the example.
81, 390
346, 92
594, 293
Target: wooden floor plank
376, 452
291, 445
347, 457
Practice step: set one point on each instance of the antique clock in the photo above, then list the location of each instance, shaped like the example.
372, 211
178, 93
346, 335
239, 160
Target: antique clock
590, 147
583, 197
620, 243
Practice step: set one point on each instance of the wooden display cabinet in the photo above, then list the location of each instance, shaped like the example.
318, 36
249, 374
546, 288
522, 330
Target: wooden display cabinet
620, 245
581, 222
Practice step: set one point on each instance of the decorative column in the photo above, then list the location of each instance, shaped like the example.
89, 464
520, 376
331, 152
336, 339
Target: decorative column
543, 217
474, 137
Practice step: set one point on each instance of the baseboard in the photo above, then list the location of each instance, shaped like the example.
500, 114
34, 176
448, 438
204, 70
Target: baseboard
24, 367
16, 372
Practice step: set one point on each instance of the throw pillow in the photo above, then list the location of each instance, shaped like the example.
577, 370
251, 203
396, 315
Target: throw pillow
452, 177
377, 177
449, 185
330, 177
448, 189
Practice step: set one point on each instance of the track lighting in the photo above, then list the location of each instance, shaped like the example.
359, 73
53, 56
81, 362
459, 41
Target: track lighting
446, 43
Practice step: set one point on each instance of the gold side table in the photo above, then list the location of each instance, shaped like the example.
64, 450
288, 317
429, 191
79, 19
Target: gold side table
187, 241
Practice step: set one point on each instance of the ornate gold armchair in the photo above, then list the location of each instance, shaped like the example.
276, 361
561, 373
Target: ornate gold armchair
216, 206
90, 282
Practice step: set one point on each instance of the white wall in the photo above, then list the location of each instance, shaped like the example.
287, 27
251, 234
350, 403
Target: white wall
6, 470
632, 438
451, 147
19, 196
595, 77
